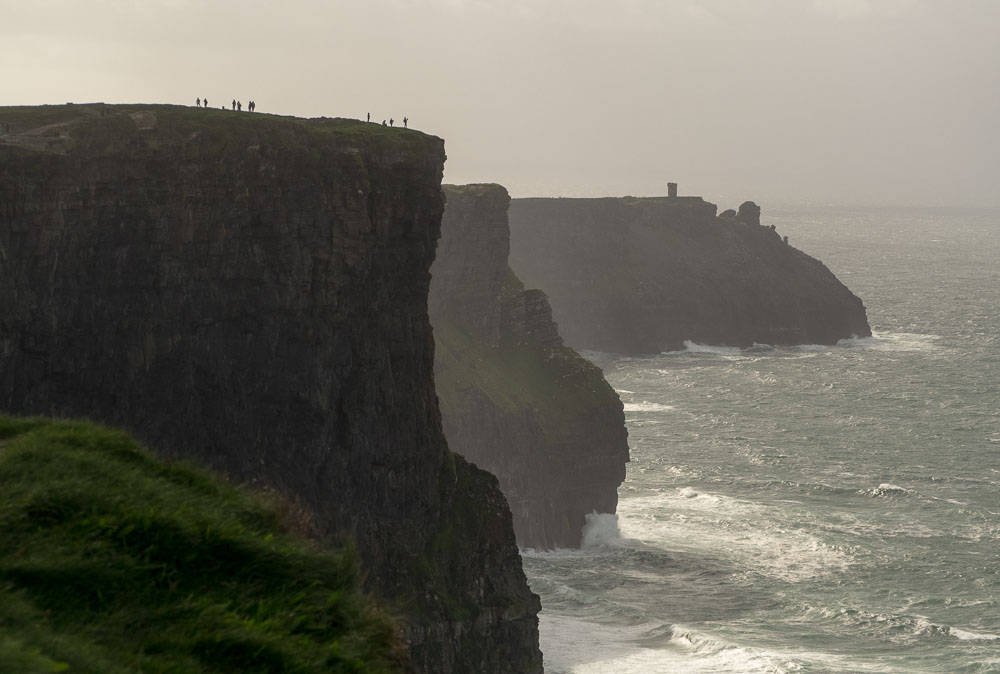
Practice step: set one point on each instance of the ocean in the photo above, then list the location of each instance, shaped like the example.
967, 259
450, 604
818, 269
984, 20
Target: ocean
808, 509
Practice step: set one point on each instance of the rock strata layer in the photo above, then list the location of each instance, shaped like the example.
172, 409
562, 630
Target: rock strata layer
514, 399
250, 292
629, 275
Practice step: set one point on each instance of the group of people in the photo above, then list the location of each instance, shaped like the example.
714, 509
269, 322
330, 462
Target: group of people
251, 106
392, 122
237, 105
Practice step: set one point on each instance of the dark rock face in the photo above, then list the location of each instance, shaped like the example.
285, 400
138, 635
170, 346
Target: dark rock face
644, 275
749, 213
514, 399
251, 293
470, 269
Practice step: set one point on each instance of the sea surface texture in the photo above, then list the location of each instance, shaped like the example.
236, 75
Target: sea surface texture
809, 509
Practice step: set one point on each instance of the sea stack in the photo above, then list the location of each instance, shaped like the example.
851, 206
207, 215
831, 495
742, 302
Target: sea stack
515, 399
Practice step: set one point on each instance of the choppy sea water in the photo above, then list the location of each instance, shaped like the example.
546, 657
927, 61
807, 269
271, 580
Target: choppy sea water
809, 509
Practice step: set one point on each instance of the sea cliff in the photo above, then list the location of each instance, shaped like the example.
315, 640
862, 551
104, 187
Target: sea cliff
633, 275
515, 399
250, 292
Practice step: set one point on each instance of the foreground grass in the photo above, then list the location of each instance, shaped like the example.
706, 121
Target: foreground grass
112, 561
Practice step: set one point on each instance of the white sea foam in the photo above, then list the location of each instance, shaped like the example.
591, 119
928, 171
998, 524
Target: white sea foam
683, 499
574, 646
647, 407
966, 635
887, 489
894, 341
709, 653
600, 530
729, 528
692, 347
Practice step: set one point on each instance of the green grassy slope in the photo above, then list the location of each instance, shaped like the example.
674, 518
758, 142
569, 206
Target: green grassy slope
112, 561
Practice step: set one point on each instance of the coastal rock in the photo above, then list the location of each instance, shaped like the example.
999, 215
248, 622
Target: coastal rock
514, 399
645, 275
250, 292
749, 213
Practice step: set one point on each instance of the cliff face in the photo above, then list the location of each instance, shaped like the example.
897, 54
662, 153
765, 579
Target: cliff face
251, 292
644, 275
514, 399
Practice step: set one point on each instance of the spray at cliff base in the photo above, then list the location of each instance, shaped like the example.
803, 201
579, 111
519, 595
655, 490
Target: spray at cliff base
809, 509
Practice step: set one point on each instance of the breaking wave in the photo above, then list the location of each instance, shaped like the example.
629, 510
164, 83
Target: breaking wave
647, 407
600, 530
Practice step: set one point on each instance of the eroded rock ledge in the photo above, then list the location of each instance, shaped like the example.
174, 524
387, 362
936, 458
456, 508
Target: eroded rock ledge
250, 292
514, 399
629, 275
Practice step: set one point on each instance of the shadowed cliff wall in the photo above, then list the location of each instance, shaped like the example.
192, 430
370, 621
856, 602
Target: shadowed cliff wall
514, 399
251, 292
643, 275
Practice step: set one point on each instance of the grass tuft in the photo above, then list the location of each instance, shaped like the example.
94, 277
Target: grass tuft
112, 561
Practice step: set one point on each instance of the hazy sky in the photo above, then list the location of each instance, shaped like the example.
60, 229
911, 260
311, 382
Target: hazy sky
856, 101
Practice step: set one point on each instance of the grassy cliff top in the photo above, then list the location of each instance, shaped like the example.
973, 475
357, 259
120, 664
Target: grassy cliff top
113, 561
474, 189
186, 123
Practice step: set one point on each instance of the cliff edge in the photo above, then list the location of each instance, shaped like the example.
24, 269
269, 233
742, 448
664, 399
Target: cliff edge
250, 292
514, 398
631, 275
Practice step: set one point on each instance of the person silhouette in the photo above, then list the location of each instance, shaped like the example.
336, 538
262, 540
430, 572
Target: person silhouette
369, 116
239, 105
390, 121
234, 104
383, 122
405, 122
197, 102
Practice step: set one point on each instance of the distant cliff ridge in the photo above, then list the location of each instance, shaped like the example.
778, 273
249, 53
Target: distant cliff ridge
633, 275
514, 399
251, 292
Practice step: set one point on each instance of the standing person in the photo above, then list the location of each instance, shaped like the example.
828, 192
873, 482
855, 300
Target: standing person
405, 121
369, 117
390, 121
197, 102
206, 104
239, 105
234, 104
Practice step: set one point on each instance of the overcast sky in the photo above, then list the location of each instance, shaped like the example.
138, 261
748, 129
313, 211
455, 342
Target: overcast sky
832, 101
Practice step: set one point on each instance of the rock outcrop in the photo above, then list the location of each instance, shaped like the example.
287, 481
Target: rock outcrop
251, 292
632, 275
514, 399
